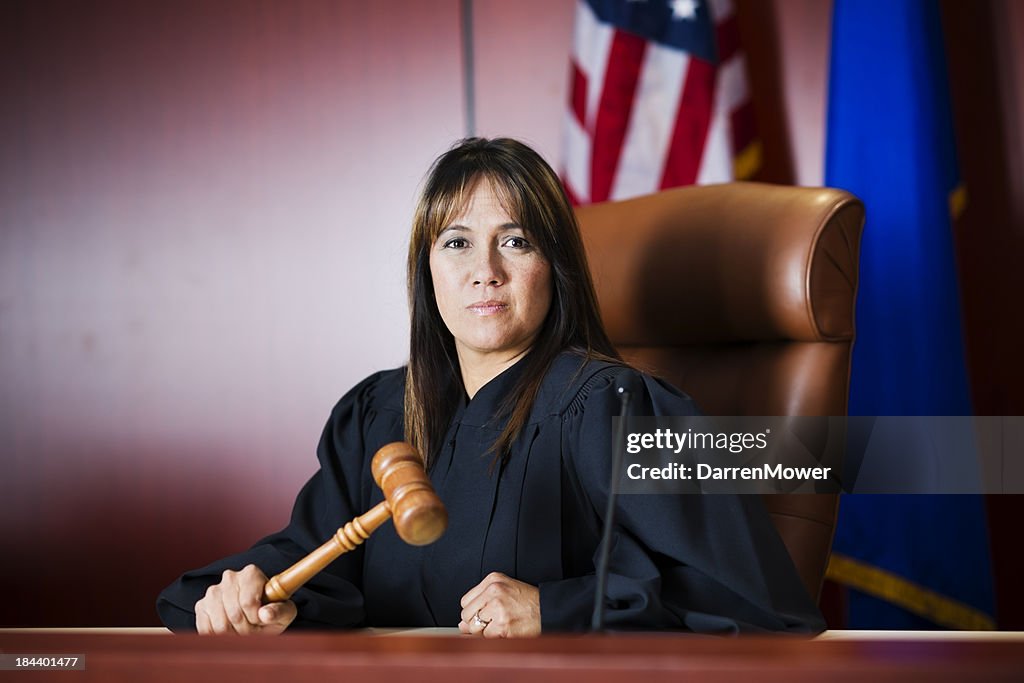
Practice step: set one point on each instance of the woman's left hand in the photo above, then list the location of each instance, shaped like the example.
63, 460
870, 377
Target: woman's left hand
501, 607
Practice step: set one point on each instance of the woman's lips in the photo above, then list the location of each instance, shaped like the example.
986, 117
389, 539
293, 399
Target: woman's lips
483, 308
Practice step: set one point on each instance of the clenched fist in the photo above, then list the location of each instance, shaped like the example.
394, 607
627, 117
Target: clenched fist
235, 606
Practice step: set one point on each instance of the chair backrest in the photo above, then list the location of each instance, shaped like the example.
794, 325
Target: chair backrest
743, 296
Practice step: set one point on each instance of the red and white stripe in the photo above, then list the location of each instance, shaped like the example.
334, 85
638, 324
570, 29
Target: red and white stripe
644, 117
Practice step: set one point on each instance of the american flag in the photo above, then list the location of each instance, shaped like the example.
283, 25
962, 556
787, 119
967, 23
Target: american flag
658, 98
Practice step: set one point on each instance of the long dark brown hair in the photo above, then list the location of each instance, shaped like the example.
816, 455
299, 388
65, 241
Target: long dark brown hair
532, 195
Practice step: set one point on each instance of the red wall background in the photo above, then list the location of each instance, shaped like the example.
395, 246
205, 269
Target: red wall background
203, 215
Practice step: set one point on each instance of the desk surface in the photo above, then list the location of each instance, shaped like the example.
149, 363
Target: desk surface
983, 636
651, 658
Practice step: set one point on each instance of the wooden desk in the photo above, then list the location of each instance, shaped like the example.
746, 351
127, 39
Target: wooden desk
651, 658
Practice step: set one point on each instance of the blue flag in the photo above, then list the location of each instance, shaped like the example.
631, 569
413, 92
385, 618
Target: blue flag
913, 561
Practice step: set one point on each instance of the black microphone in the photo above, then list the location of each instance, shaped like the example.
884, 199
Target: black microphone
627, 386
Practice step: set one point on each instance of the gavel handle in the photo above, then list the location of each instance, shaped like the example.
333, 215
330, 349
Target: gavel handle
349, 537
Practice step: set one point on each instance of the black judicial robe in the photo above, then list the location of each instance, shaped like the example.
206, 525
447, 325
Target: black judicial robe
704, 563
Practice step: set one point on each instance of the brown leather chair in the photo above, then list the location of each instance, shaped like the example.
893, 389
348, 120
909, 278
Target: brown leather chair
743, 296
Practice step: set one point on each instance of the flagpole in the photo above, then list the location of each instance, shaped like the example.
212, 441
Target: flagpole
469, 93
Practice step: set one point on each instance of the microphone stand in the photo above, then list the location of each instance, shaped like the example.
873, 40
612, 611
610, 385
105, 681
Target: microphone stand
625, 388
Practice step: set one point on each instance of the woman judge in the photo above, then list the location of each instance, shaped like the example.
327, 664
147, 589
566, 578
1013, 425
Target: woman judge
508, 395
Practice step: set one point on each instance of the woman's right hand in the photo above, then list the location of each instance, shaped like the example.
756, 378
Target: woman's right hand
235, 606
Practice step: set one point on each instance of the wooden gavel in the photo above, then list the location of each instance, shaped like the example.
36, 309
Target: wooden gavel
420, 518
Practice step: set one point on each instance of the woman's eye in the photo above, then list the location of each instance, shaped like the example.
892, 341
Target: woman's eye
517, 242
456, 243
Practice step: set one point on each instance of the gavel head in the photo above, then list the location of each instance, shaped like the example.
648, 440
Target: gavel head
419, 515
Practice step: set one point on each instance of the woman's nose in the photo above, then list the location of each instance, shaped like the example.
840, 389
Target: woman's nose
487, 269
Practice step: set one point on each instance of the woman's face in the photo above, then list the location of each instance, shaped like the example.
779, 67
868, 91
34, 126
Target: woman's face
493, 286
